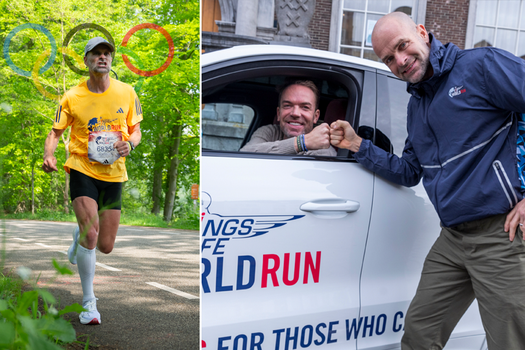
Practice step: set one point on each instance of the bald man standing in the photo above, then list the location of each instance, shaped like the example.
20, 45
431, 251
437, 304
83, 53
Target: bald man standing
465, 140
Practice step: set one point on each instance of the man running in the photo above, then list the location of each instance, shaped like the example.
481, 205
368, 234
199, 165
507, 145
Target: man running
104, 115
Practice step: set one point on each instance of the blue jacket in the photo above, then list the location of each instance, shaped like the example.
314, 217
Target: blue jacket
462, 131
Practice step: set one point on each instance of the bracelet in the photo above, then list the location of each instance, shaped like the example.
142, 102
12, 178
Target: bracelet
304, 144
299, 145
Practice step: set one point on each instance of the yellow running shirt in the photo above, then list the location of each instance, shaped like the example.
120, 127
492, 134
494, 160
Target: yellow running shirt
109, 113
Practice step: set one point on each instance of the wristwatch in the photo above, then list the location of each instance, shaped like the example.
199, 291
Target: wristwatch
131, 146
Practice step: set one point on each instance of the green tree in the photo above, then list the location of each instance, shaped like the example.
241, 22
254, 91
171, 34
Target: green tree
167, 158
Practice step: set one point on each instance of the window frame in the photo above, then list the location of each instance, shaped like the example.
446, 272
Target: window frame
397, 151
216, 75
471, 26
336, 23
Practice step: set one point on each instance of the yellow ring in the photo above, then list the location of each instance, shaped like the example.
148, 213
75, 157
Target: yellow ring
39, 60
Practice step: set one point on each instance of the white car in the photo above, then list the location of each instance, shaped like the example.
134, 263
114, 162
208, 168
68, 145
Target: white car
300, 251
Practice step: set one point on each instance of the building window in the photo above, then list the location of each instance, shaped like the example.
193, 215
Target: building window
358, 20
499, 23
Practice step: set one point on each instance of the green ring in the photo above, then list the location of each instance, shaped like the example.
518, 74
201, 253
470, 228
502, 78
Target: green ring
127, 51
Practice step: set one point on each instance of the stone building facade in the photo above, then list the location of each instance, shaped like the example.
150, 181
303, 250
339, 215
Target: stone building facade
448, 20
319, 28
344, 25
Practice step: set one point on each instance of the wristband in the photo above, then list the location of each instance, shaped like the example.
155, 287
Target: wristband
298, 142
304, 144
131, 145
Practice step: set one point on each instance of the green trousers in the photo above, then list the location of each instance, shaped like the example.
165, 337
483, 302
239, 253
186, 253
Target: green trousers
471, 260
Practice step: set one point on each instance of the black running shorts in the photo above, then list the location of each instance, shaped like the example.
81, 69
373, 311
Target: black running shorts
108, 195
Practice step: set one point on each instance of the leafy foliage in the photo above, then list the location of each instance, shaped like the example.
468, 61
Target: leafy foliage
168, 99
24, 326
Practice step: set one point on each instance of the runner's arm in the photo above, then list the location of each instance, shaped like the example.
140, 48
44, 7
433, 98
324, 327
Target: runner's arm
50, 146
134, 134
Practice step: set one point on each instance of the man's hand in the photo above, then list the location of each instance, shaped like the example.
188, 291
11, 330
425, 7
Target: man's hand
122, 147
342, 135
318, 138
515, 218
50, 164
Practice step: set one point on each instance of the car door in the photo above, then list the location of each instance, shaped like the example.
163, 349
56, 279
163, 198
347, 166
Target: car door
403, 227
283, 237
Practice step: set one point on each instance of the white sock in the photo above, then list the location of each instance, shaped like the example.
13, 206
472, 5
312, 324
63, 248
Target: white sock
86, 259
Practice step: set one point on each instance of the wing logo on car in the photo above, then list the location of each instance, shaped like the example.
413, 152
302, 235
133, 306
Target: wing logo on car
239, 226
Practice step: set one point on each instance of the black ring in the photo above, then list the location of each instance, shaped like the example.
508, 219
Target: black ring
72, 32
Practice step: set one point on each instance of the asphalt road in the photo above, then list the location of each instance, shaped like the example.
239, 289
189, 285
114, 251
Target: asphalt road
148, 287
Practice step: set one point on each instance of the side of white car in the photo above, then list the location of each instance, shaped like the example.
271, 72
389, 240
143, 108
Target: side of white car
305, 252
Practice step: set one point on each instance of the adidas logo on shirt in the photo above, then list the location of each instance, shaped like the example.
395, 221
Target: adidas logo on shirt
120, 110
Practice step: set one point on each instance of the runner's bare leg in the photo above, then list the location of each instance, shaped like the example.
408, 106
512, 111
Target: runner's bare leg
109, 222
101, 229
94, 229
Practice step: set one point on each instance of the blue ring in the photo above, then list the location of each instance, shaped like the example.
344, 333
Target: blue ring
13, 33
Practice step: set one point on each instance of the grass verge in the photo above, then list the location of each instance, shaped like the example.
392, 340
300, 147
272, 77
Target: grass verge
133, 219
9, 287
28, 317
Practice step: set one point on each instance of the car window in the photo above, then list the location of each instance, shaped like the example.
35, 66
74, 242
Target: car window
392, 112
245, 105
225, 125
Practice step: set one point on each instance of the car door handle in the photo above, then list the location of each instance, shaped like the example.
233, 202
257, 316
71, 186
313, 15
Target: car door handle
331, 205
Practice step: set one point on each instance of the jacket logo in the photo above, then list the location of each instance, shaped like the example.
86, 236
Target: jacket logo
456, 91
120, 110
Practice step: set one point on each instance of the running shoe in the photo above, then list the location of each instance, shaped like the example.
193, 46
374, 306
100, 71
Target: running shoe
91, 316
72, 251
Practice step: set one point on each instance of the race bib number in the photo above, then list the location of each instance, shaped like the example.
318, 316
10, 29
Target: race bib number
100, 146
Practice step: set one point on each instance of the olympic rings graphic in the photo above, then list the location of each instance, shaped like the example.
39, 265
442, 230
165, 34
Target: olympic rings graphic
72, 32
39, 60
168, 60
68, 53
14, 32
124, 50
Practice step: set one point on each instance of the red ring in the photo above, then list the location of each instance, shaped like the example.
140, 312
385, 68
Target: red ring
170, 55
